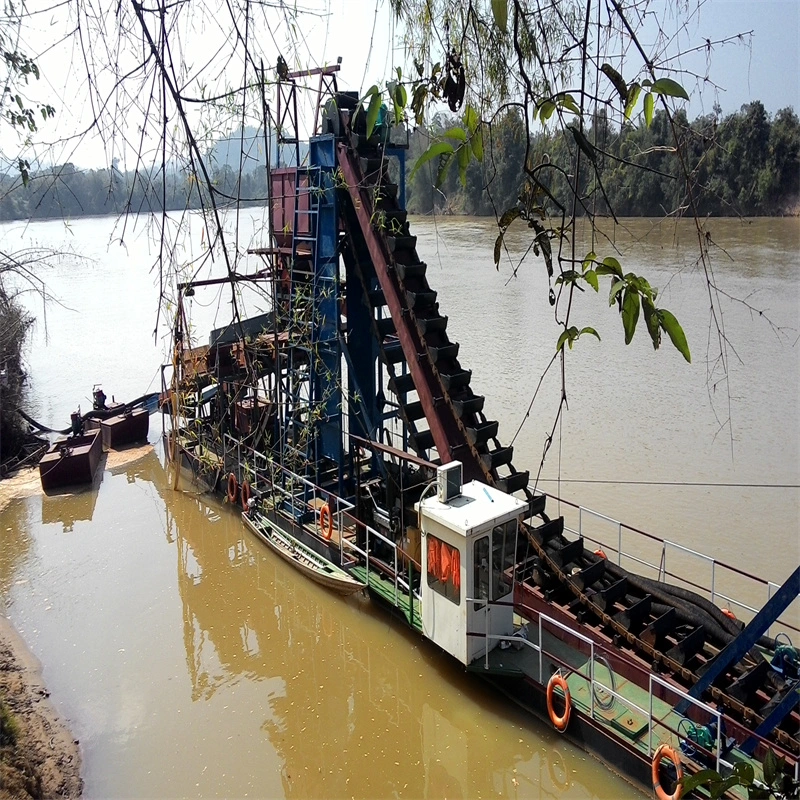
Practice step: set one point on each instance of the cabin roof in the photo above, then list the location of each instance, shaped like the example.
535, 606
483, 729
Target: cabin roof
476, 506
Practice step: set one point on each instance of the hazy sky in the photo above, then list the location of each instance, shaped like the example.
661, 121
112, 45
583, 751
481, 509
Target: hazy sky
765, 67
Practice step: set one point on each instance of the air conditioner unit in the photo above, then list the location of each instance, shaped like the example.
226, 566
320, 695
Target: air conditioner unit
448, 478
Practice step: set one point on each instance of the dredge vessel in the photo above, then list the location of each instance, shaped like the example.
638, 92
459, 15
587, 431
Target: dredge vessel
344, 426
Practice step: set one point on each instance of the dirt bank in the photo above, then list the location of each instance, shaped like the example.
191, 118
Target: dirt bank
44, 760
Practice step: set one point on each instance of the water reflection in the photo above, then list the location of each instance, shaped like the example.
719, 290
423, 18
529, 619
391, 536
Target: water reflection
65, 508
358, 707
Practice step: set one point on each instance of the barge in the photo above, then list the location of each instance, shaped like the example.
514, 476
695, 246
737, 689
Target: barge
342, 423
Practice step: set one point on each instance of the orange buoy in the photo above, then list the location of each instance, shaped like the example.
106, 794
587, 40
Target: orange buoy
728, 613
233, 488
560, 722
245, 496
665, 751
326, 522
600, 552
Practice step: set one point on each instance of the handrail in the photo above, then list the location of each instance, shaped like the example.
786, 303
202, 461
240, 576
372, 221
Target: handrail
661, 568
594, 683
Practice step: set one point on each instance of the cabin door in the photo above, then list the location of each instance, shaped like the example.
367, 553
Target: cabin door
477, 612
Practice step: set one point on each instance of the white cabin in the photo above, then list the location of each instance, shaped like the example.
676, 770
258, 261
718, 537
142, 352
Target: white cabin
468, 548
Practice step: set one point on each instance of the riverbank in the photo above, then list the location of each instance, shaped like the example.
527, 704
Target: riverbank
39, 756
40, 759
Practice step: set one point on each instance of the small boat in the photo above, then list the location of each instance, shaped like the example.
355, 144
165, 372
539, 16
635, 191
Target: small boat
311, 564
71, 461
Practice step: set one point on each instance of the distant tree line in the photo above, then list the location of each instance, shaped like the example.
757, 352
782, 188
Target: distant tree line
746, 163
67, 191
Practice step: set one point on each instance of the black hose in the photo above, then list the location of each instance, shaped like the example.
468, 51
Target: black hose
124, 408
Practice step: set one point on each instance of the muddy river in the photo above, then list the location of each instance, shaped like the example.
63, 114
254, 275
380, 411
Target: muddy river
190, 662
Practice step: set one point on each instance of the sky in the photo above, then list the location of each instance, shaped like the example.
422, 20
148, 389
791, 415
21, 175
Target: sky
762, 64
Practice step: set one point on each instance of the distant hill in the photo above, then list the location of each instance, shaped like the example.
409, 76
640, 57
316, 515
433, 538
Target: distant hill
247, 146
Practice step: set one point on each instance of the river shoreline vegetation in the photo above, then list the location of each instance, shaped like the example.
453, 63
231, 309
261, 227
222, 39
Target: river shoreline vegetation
744, 164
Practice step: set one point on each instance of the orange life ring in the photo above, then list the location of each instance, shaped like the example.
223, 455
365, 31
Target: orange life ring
665, 751
326, 522
245, 496
233, 488
559, 722
728, 613
600, 552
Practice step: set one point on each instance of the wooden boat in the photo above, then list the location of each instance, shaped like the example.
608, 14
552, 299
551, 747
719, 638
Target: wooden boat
303, 558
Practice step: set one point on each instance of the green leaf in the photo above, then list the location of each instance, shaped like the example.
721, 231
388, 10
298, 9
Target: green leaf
613, 264
676, 335
616, 287
472, 121
770, 765
509, 215
399, 98
561, 339
476, 143
592, 331
590, 276
444, 165
669, 87
634, 90
471, 118
630, 314
744, 772
500, 12
651, 320
617, 80
589, 260
649, 104
583, 143
436, 149
373, 110
546, 110
568, 276
463, 162
568, 101
455, 133
701, 778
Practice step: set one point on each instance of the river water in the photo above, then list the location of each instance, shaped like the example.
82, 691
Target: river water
192, 663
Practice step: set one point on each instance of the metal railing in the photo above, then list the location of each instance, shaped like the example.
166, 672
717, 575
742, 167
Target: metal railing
661, 568
397, 554
594, 685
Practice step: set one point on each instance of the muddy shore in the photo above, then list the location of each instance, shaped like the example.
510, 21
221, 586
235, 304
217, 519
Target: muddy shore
44, 761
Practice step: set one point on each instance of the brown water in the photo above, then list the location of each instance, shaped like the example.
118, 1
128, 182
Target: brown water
191, 662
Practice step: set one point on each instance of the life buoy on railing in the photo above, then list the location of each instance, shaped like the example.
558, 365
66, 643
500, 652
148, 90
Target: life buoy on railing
245, 496
560, 722
326, 522
233, 488
665, 751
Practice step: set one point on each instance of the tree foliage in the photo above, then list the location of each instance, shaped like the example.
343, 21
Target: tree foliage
734, 171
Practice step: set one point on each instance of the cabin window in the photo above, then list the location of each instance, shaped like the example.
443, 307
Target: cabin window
481, 560
504, 543
444, 569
